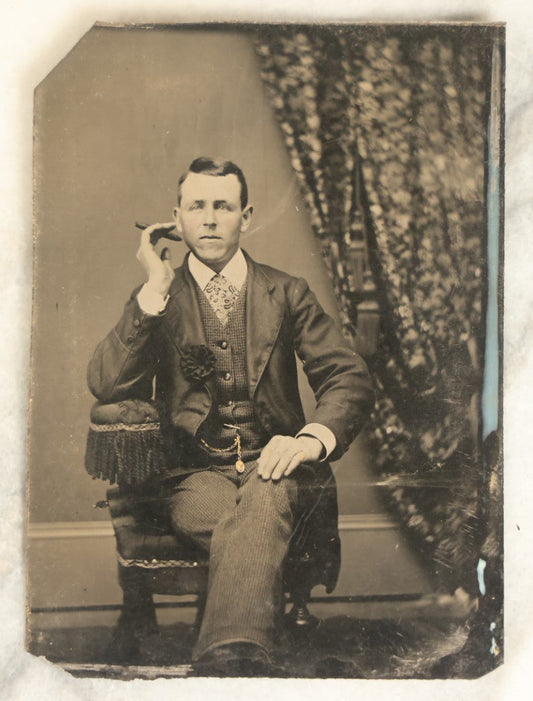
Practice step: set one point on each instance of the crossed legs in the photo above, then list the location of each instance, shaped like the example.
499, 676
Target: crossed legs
245, 524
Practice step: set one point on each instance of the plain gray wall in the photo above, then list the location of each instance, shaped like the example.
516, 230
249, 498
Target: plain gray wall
116, 122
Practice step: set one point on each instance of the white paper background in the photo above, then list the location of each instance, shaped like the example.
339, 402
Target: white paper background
34, 37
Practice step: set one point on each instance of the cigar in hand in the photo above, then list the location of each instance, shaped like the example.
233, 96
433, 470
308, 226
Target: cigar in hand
165, 232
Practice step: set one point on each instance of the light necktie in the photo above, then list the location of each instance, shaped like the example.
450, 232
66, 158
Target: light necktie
222, 296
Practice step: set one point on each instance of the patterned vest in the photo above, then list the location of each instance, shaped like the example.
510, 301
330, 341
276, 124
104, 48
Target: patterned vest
231, 404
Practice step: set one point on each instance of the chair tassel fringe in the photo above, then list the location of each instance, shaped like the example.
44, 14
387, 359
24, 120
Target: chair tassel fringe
124, 456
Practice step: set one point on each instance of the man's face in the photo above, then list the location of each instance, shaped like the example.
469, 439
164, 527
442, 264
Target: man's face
210, 218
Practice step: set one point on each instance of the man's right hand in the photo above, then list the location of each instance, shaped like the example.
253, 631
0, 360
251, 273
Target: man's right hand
158, 267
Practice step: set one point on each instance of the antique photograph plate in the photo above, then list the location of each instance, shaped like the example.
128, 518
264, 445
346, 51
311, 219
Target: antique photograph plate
374, 159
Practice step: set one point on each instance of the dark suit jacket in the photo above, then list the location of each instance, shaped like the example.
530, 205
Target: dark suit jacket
282, 317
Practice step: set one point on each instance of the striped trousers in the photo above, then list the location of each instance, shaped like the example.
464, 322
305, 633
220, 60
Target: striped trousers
245, 524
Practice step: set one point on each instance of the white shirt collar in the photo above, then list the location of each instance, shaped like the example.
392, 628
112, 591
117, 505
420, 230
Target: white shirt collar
235, 270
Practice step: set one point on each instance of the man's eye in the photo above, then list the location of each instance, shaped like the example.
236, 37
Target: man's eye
195, 205
222, 205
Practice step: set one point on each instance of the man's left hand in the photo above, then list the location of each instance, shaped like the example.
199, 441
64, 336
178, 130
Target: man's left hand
282, 455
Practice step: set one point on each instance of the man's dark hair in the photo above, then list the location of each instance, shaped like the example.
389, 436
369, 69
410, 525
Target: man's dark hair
212, 166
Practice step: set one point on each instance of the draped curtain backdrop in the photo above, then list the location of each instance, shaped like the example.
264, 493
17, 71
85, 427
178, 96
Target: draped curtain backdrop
386, 130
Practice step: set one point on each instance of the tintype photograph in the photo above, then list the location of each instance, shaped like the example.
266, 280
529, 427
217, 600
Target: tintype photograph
266, 429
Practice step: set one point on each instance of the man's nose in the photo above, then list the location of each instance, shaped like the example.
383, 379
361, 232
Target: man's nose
209, 216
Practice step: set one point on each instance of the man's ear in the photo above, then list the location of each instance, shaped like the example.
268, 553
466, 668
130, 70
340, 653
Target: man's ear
246, 218
177, 219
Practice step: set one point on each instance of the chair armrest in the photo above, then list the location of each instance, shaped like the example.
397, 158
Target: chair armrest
124, 442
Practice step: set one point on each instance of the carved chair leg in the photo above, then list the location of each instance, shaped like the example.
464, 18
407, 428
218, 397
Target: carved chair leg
200, 608
299, 618
137, 619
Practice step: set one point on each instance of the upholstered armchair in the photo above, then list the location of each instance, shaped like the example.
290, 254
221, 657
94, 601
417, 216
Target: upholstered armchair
125, 447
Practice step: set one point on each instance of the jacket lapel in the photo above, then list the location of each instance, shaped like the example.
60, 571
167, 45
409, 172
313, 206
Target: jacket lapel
264, 314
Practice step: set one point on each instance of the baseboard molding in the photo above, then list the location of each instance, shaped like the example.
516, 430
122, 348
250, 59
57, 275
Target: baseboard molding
366, 522
73, 564
104, 529
70, 529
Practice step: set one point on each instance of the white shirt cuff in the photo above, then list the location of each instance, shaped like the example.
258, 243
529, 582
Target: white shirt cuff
323, 434
151, 302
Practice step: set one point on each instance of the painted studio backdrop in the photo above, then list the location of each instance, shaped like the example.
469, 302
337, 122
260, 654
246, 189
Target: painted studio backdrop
371, 155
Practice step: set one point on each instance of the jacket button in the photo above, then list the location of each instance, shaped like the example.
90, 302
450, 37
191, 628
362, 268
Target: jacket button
223, 344
227, 375
136, 323
130, 339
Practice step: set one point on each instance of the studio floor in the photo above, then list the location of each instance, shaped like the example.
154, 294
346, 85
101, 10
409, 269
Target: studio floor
423, 638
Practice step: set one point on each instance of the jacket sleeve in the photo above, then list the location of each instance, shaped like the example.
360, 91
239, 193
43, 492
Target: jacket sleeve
123, 365
339, 377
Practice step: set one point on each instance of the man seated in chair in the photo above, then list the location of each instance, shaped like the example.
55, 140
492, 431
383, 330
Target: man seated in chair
219, 335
